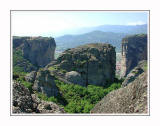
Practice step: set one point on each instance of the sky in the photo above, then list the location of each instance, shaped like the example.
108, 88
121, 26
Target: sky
41, 23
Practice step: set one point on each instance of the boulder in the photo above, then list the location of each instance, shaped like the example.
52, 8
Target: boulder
74, 77
44, 83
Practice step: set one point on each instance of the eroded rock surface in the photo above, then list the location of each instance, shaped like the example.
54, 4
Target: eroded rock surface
74, 77
30, 77
129, 99
49, 107
94, 63
22, 100
25, 102
134, 49
38, 50
140, 68
44, 83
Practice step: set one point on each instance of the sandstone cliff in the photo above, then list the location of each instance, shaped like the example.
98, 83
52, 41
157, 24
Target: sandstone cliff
38, 50
134, 49
132, 98
87, 64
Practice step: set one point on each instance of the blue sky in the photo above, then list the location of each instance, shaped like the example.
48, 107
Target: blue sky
35, 23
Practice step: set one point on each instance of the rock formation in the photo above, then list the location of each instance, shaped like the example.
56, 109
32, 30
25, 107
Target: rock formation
44, 83
24, 102
30, 77
38, 50
134, 49
92, 63
74, 77
140, 68
130, 99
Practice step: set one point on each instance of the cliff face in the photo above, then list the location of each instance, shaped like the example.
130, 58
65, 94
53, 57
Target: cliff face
89, 64
38, 50
134, 49
130, 99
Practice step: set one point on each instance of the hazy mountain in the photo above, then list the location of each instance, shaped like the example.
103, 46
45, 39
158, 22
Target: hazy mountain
71, 41
129, 29
112, 34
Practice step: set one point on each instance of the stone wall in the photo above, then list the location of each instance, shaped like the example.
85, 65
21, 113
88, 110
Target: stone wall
134, 49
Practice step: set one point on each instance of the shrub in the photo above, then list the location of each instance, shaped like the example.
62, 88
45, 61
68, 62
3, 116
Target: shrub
27, 85
42, 96
82, 99
45, 98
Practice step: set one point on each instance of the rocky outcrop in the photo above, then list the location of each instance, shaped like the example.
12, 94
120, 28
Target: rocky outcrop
38, 50
134, 49
140, 68
49, 107
93, 63
44, 83
74, 77
24, 102
30, 77
130, 99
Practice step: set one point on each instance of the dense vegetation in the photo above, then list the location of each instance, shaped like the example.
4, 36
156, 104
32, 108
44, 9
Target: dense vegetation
78, 99
74, 98
82, 99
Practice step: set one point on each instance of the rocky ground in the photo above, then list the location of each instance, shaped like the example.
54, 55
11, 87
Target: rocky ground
131, 98
25, 102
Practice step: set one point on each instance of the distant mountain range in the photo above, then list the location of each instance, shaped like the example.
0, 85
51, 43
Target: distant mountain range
129, 29
112, 34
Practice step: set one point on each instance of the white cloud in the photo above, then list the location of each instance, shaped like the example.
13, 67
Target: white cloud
136, 23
